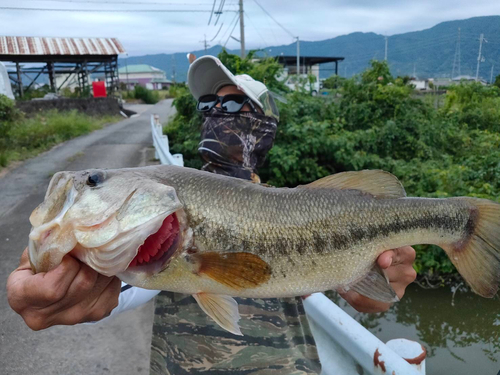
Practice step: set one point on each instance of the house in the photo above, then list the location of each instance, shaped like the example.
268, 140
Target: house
144, 75
420, 84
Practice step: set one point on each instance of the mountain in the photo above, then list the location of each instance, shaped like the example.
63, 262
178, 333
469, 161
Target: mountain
428, 53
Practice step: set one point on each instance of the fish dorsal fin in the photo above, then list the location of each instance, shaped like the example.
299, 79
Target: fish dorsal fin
235, 270
375, 285
378, 183
222, 309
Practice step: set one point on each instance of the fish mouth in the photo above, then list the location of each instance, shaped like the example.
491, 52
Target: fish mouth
158, 248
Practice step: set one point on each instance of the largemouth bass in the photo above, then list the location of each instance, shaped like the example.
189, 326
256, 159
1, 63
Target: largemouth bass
217, 237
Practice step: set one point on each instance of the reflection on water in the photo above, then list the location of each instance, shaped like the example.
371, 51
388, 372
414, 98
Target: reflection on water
460, 338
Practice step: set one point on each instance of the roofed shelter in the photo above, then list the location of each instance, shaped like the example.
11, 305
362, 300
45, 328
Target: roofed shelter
73, 57
307, 62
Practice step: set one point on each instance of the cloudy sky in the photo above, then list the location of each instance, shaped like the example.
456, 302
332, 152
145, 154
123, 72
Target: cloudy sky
159, 31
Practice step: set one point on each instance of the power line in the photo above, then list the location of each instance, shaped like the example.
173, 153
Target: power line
279, 24
456, 59
211, 14
118, 2
231, 33
219, 12
229, 28
256, 29
222, 24
113, 10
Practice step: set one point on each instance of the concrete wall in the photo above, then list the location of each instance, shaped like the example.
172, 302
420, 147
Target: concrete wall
91, 106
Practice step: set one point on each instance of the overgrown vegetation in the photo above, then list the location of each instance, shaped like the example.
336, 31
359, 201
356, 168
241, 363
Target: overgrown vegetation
375, 123
142, 93
22, 137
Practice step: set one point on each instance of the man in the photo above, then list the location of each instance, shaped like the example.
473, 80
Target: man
239, 129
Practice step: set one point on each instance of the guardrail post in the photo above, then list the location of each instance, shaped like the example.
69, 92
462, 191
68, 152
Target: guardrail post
411, 351
160, 143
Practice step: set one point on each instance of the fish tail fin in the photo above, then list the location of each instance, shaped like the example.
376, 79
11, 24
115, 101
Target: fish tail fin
477, 256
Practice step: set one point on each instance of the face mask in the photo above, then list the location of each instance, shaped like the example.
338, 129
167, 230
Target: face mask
236, 144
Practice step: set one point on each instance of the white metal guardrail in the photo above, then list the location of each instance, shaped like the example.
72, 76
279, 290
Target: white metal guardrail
345, 347
160, 141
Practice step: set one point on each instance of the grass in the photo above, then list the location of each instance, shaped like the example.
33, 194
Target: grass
28, 137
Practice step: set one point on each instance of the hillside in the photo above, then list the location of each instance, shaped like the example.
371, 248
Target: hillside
430, 52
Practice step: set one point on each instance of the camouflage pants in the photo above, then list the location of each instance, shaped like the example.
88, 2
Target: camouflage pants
277, 339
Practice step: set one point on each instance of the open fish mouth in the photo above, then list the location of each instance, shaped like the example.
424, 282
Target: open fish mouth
158, 248
147, 248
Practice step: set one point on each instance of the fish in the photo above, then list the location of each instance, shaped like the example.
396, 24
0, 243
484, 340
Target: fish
217, 237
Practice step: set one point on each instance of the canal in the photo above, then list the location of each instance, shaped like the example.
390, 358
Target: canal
461, 333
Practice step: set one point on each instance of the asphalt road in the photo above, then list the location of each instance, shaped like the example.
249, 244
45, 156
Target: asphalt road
118, 346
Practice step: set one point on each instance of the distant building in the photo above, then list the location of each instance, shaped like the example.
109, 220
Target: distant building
420, 84
459, 79
144, 75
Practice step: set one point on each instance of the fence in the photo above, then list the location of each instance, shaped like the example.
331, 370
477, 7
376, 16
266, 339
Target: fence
160, 142
344, 346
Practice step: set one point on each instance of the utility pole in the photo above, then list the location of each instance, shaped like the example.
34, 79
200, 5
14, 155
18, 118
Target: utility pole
386, 46
173, 68
204, 41
491, 76
414, 70
456, 60
242, 30
479, 56
298, 59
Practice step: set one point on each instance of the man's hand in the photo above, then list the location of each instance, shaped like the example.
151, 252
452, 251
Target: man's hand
398, 266
69, 294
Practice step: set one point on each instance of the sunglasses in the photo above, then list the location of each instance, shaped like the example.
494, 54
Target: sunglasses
231, 103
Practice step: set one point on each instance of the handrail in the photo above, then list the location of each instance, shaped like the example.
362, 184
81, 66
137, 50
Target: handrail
160, 142
346, 347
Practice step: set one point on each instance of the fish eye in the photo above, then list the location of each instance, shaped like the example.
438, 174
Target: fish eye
94, 179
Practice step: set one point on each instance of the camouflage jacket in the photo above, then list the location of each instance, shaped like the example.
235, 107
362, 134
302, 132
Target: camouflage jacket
277, 339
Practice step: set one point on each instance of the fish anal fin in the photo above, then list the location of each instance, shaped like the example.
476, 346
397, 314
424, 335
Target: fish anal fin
375, 285
222, 309
235, 270
378, 183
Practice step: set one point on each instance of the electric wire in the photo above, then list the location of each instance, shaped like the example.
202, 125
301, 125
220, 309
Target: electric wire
112, 10
211, 14
279, 24
229, 37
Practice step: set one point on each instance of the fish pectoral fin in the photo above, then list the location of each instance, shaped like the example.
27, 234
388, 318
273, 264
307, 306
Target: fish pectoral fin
378, 183
222, 309
235, 270
375, 285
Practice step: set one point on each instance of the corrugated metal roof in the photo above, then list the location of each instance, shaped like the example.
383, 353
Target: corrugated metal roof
21, 45
139, 68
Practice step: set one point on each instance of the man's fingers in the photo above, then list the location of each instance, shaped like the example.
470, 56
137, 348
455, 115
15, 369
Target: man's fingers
24, 262
57, 281
385, 259
106, 302
92, 308
403, 255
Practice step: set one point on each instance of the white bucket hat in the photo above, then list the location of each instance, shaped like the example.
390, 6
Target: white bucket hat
207, 75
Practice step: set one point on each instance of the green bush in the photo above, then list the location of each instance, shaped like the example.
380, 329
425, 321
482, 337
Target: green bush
147, 96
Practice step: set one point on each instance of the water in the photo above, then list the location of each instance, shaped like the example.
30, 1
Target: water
461, 334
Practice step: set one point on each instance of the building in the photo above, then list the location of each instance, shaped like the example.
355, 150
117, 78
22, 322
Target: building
75, 59
307, 65
144, 75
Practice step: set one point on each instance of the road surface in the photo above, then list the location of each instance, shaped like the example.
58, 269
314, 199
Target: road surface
118, 346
